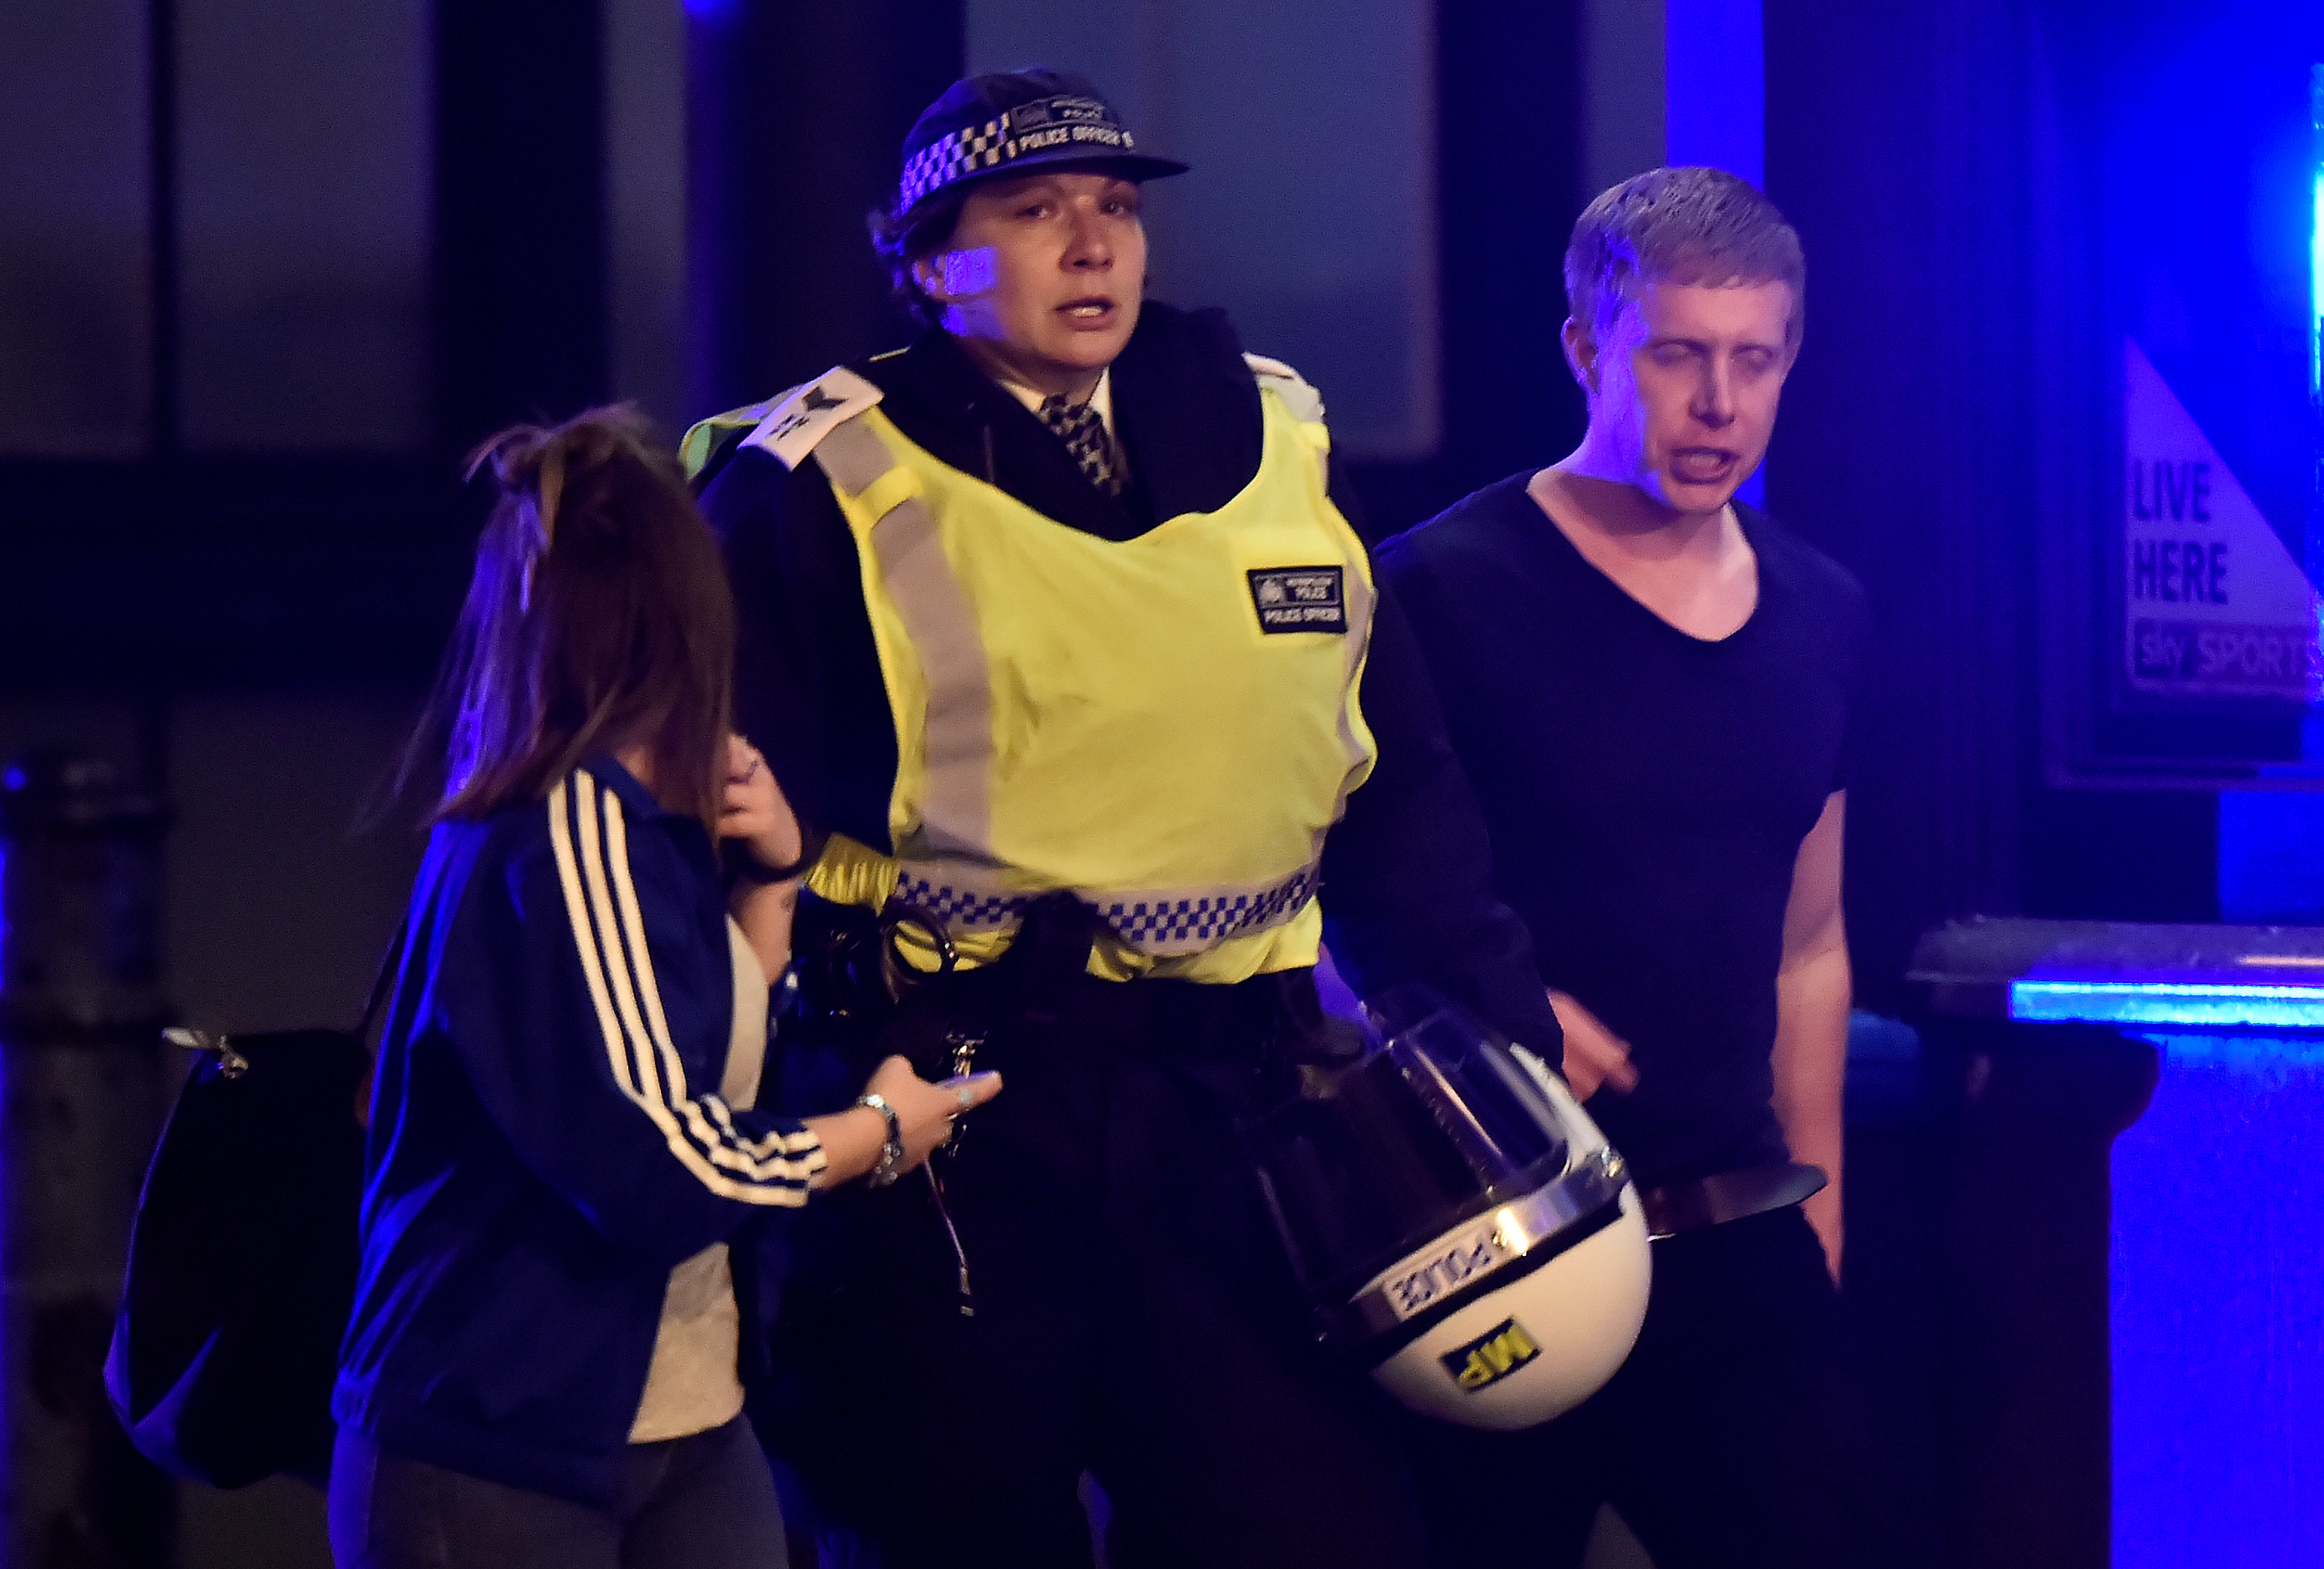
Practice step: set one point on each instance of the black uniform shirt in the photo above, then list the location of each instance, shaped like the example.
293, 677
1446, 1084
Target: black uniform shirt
1647, 793
1406, 874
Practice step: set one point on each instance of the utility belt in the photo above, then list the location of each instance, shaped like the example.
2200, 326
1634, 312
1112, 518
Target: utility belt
948, 914
866, 991
860, 999
864, 994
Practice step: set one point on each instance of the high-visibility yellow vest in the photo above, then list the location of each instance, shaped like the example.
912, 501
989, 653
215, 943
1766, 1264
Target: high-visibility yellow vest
1165, 725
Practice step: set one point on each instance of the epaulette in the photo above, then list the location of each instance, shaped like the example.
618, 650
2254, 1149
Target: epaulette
787, 424
806, 415
1304, 402
706, 439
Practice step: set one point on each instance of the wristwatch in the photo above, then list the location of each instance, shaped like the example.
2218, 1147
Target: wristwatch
891, 1153
742, 864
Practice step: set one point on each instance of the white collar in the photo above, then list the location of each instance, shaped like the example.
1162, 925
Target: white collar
1100, 398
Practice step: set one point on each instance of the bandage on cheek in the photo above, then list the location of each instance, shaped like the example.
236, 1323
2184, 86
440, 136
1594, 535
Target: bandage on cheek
968, 271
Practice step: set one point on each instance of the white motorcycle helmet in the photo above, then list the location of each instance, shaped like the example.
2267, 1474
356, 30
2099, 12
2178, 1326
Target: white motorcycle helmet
1459, 1224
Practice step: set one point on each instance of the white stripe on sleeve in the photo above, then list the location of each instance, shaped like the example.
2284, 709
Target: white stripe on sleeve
720, 1141
617, 967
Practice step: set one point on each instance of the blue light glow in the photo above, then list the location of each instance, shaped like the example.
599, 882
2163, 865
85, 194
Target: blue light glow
2220, 1004
1715, 108
2218, 1310
2316, 242
2272, 849
2255, 1053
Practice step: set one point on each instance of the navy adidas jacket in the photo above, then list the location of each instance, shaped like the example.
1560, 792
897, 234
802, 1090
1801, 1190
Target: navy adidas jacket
546, 1141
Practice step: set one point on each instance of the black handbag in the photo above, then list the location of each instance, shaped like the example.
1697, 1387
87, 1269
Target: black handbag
244, 1256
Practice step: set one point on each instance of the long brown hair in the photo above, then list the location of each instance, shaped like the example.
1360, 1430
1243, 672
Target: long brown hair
599, 618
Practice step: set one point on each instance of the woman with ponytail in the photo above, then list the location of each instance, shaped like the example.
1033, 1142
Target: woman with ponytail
570, 1198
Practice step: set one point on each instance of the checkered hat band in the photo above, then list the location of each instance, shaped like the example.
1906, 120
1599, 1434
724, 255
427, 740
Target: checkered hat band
1161, 924
1043, 126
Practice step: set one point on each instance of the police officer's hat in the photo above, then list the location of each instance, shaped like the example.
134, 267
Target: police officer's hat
1012, 121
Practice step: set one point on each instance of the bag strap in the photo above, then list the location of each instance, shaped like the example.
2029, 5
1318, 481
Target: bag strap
382, 983
383, 980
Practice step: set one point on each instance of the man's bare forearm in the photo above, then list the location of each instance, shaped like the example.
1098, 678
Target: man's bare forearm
1810, 1063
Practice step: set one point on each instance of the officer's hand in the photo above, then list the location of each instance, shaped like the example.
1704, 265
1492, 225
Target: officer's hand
925, 1111
1594, 1055
754, 809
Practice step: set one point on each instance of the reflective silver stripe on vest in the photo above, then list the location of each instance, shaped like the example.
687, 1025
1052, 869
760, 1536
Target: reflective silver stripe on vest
1164, 923
956, 747
1359, 605
956, 732
1296, 396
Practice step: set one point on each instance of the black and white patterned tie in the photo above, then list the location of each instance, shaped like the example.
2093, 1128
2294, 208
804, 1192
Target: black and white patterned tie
1083, 431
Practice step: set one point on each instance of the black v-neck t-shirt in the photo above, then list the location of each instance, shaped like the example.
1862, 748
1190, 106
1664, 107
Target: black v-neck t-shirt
1647, 792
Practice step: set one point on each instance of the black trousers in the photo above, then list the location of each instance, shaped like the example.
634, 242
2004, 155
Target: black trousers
1133, 1316
704, 1499
1724, 1440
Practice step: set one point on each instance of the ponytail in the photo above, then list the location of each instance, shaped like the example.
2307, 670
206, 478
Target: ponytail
598, 620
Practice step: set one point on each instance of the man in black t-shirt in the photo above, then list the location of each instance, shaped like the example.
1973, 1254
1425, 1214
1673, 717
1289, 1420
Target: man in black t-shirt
1653, 689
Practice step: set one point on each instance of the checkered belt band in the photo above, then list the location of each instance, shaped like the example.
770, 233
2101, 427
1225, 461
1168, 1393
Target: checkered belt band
1039, 126
1161, 924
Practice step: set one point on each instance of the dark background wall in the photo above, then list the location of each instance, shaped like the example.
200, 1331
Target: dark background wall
794, 116
1968, 222
1903, 445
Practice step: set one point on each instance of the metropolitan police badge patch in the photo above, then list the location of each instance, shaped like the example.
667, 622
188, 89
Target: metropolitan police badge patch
1299, 598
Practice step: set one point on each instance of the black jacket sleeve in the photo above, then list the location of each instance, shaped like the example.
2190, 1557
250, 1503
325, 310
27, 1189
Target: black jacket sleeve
807, 688
1408, 872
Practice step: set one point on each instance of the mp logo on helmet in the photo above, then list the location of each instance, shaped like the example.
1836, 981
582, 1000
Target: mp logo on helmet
1491, 1357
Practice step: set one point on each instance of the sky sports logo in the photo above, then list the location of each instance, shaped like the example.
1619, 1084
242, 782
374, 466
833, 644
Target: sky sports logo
2274, 661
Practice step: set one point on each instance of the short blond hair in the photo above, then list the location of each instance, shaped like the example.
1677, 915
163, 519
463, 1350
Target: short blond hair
1679, 226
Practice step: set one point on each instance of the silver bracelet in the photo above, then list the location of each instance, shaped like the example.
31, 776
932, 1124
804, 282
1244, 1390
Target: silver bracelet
891, 1153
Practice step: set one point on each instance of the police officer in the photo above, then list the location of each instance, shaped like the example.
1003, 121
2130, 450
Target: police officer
1052, 630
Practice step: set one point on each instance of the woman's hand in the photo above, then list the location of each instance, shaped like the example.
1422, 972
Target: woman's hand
754, 810
754, 813
853, 1138
925, 1111
1594, 1055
